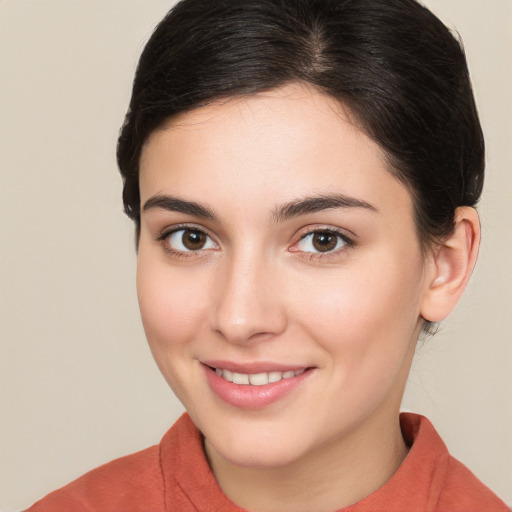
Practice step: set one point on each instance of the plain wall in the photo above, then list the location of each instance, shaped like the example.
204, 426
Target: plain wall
78, 386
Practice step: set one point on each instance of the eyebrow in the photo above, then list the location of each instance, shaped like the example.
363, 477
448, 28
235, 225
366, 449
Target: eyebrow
281, 213
317, 204
173, 204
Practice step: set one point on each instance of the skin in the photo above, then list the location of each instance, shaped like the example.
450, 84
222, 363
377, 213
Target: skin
257, 291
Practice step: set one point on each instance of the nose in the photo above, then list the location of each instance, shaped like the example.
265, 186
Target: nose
248, 302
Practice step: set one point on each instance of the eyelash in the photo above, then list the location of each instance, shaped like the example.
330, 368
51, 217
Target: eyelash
164, 236
347, 242
340, 235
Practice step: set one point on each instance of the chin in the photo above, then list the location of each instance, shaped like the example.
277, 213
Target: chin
257, 455
258, 446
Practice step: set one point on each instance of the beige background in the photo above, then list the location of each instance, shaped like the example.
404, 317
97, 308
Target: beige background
78, 385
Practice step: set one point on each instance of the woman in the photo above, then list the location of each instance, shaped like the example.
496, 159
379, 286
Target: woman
302, 176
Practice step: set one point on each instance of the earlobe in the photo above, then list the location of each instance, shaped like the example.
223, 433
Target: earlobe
451, 266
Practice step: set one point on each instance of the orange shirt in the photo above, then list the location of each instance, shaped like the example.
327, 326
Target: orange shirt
175, 477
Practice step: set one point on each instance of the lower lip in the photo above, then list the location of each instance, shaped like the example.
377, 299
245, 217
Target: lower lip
252, 397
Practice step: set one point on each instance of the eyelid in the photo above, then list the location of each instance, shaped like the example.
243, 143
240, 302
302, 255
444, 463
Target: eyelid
166, 232
169, 230
348, 240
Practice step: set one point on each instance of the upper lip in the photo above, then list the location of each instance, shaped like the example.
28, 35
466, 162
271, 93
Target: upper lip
254, 366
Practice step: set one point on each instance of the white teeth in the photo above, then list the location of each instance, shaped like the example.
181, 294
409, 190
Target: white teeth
275, 376
256, 379
240, 378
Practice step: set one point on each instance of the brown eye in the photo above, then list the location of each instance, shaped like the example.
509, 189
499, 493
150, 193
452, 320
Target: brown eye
193, 240
186, 240
322, 241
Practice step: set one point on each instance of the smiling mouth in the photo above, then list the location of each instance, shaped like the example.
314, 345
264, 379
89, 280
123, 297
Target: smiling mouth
256, 379
248, 386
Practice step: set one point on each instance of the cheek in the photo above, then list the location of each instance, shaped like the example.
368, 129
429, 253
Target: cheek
171, 305
372, 309
366, 325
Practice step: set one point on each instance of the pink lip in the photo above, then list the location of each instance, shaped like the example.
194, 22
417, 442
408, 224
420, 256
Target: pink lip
252, 397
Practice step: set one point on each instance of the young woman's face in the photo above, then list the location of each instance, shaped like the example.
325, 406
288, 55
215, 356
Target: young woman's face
280, 278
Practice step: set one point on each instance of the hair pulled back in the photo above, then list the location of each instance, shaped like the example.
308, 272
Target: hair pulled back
398, 69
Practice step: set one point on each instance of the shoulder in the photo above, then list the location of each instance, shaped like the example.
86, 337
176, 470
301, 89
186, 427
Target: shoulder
452, 487
115, 486
463, 491
175, 472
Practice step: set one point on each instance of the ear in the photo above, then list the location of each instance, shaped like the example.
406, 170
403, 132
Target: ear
451, 265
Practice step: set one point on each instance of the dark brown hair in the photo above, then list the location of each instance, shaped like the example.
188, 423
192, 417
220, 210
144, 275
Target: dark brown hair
398, 69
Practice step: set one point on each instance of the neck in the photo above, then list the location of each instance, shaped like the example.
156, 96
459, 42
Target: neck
334, 476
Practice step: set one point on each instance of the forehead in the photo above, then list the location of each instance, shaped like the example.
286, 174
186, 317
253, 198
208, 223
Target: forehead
273, 147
